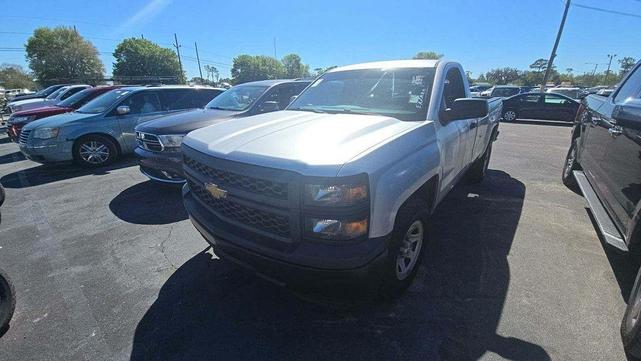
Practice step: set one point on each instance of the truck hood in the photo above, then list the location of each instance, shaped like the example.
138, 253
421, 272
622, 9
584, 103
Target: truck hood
57, 121
305, 142
185, 122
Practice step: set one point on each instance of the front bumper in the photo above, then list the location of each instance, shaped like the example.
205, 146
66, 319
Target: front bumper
290, 268
166, 167
43, 152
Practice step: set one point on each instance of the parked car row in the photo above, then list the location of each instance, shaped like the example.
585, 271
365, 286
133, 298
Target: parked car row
334, 182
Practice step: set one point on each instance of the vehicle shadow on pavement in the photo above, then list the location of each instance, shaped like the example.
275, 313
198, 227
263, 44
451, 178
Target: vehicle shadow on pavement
209, 309
149, 203
553, 123
45, 174
11, 157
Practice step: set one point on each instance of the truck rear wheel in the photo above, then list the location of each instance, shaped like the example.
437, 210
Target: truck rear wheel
477, 171
631, 323
407, 247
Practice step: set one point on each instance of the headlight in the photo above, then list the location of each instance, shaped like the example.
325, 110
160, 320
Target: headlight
335, 194
169, 141
45, 133
336, 229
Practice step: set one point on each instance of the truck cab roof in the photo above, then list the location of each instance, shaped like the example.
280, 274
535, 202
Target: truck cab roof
414, 63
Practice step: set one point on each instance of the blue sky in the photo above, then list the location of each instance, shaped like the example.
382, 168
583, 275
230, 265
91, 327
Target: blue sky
481, 34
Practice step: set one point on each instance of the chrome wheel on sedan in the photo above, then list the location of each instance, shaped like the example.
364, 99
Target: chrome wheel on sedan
410, 250
509, 116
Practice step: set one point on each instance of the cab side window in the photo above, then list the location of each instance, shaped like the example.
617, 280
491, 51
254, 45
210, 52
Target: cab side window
454, 88
177, 99
142, 103
631, 87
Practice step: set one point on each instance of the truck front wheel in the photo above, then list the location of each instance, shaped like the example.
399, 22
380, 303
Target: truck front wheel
631, 324
407, 247
571, 164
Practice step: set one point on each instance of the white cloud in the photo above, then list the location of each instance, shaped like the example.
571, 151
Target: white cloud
144, 15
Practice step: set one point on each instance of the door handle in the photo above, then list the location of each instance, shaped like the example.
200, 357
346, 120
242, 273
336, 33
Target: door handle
615, 131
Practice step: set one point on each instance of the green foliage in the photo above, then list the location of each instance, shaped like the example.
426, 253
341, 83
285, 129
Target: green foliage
12, 76
626, 64
294, 67
539, 64
212, 73
321, 71
427, 55
143, 58
502, 76
60, 54
260, 67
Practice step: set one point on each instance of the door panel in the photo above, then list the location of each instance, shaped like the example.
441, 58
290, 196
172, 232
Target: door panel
530, 106
143, 107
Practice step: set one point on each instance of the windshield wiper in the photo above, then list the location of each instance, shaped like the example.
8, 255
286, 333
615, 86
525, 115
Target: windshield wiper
315, 110
219, 108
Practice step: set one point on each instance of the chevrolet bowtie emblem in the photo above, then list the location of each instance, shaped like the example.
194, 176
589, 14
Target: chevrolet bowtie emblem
215, 192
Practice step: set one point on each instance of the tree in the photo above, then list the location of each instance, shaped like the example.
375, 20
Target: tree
212, 73
294, 67
145, 59
502, 76
60, 54
321, 71
626, 64
539, 64
251, 68
12, 76
427, 55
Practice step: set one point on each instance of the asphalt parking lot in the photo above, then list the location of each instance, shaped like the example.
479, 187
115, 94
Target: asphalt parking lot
107, 266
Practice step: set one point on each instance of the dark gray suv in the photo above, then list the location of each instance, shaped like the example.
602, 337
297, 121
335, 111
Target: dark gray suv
159, 140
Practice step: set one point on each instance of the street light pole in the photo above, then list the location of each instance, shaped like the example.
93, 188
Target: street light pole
556, 45
607, 72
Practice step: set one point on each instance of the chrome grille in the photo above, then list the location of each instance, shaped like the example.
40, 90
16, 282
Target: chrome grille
251, 184
256, 218
24, 136
149, 142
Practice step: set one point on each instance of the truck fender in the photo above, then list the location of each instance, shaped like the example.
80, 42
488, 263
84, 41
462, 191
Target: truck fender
97, 131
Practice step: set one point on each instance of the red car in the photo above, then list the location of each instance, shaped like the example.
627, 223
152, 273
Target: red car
18, 120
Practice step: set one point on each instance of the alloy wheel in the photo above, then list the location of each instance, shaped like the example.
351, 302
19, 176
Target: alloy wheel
569, 163
410, 250
509, 116
94, 152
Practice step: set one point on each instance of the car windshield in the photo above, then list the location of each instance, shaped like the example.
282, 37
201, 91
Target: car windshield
55, 94
237, 98
72, 100
505, 92
103, 102
47, 91
401, 93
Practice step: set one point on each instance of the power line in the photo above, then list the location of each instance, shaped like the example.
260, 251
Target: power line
615, 12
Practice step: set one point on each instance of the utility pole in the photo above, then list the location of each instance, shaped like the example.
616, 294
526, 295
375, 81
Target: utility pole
177, 46
275, 57
198, 58
556, 45
142, 36
607, 72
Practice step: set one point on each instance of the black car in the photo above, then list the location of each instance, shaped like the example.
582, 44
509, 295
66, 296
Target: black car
548, 106
604, 161
159, 140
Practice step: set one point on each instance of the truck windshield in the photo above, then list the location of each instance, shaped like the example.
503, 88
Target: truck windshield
103, 102
237, 98
402, 93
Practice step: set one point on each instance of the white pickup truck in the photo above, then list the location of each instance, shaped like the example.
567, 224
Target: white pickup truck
336, 190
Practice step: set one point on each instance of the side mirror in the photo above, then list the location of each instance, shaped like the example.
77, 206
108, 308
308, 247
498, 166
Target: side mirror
466, 108
292, 98
627, 116
269, 106
122, 110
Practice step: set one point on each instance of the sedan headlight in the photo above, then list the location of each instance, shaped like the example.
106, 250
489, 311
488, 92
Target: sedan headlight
45, 133
171, 141
335, 194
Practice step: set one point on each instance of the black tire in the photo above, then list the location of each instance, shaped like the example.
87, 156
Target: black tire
414, 212
510, 115
571, 164
105, 151
477, 171
7, 301
631, 323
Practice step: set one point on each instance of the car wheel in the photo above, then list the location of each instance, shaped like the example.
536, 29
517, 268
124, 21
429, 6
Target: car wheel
94, 151
631, 323
406, 249
477, 171
571, 164
7, 301
509, 115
